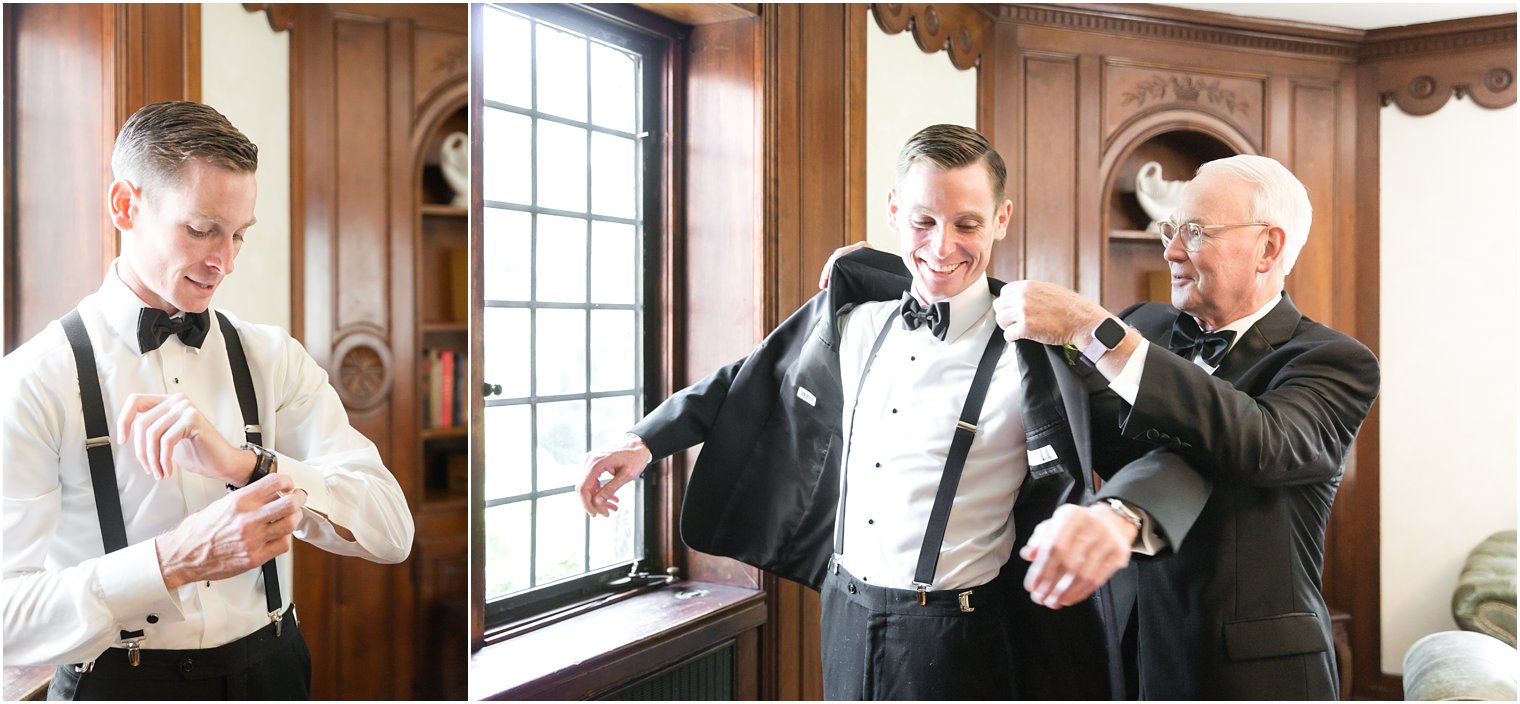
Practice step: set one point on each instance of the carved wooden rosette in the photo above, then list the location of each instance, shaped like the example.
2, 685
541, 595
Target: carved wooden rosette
363, 369
959, 29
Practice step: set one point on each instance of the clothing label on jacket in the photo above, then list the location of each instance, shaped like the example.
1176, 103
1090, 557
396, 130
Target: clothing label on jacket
807, 396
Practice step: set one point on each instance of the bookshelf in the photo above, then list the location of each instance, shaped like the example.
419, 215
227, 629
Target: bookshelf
443, 323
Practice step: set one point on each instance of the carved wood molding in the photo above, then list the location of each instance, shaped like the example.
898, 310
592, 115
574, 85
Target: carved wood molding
959, 29
1173, 24
1452, 35
281, 16
1426, 92
363, 370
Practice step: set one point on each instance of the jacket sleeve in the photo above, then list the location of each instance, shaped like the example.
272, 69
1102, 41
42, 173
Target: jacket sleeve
1170, 491
685, 418
1297, 431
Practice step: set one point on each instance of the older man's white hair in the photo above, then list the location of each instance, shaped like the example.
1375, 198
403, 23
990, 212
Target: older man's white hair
1279, 198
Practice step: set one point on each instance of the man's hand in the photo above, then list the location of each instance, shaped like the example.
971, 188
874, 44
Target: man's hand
1074, 552
169, 432
828, 266
236, 533
624, 464
1046, 313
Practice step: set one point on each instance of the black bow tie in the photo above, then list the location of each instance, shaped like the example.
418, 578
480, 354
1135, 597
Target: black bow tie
937, 316
154, 326
1189, 340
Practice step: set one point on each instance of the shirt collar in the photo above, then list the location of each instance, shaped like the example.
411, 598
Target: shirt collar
966, 307
120, 306
1242, 325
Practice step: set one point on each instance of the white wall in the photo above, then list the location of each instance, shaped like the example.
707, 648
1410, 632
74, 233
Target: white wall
1449, 318
245, 73
906, 91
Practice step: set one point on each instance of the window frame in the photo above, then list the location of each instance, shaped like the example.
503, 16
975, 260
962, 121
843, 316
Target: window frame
658, 41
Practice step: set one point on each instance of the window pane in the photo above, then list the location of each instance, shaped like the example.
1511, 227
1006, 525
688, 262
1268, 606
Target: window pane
506, 54
610, 418
613, 539
508, 238
561, 65
561, 166
506, 349
614, 350
561, 537
614, 262
613, 185
614, 78
509, 159
561, 259
561, 444
509, 453
561, 352
508, 549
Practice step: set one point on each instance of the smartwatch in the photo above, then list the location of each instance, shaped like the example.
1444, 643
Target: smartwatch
1108, 336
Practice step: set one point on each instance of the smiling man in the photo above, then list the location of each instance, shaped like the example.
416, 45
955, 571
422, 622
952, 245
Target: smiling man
149, 557
881, 447
1230, 384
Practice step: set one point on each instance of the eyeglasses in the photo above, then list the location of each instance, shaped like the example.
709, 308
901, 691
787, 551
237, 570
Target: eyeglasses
1192, 233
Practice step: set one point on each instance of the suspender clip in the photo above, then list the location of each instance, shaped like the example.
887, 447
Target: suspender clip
85, 667
923, 593
277, 617
134, 650
965, 598
834, 563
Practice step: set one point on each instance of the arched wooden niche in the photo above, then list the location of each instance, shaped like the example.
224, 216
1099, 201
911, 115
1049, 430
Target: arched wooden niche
1181, 141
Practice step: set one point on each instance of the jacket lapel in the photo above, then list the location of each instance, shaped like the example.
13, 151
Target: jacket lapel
1275, 328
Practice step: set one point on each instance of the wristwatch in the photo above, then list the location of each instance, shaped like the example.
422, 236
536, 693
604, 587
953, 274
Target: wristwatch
264, 462
1108, 336
1126, 513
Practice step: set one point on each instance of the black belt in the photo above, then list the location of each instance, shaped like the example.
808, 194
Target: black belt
203, 663
947, 602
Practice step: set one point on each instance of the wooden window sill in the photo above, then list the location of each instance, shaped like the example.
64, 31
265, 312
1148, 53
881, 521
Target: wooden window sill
601, 649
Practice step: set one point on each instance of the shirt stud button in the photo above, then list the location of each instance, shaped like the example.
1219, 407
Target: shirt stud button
894, 410
152, 618
871, 521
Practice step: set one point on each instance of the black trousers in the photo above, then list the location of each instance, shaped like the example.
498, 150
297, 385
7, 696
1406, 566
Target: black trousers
256, 666
880, 643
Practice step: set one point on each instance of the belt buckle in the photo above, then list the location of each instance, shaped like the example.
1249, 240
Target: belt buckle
965, 599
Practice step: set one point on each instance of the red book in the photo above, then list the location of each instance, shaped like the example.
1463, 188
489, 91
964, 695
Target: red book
446, 404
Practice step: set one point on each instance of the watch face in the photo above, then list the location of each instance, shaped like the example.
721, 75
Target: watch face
1110, 333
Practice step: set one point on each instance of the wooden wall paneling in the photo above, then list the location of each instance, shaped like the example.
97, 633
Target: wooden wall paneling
1047, 207
1000, 118
74, 75
1312, 159
723, 220
60, 123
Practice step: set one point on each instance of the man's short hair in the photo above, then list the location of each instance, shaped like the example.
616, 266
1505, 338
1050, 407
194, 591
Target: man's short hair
1279, 198
157, 140
951, 147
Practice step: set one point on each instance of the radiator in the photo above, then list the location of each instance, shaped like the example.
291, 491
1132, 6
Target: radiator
708, 675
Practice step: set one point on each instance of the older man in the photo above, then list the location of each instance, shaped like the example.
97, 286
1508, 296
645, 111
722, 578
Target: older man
1237, 385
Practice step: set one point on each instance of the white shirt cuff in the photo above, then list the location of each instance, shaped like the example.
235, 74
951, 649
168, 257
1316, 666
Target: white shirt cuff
308, 479
1127, 384
131, 584
1146, 541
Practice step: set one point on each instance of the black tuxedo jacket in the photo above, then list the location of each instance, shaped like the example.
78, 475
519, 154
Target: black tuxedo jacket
1235, 610
766, 485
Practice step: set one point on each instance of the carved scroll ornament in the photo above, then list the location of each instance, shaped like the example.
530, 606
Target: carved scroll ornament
959, 29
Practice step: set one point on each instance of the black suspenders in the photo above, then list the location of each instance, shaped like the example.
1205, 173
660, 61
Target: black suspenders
950, 479
113, 528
